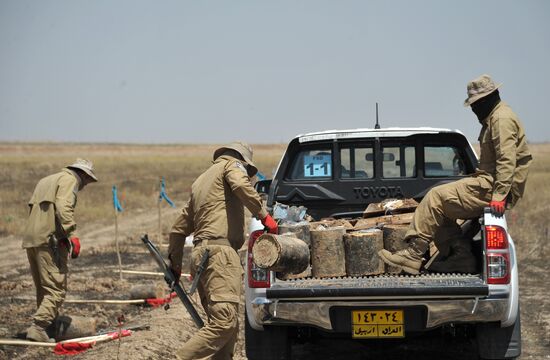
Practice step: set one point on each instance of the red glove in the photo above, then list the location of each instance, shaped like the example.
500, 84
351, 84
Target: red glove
75, 247
270, 224
497, 207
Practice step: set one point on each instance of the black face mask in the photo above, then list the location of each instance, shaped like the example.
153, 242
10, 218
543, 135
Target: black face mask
483, 107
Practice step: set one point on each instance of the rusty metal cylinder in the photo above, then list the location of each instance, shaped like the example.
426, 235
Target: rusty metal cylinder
327, 252
282, 253
361, 249
300, 230
72, 327
148, 290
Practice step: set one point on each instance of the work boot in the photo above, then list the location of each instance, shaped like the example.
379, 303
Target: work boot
408, 260
460, 260
38, 333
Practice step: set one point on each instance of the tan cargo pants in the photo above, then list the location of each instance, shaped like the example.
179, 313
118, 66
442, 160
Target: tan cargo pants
220, 292
49, 273
436, 215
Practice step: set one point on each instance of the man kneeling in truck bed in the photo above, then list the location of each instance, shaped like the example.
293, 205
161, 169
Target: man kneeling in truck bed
499, 183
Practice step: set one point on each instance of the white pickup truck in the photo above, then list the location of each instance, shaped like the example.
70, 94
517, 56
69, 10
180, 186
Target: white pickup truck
337, 174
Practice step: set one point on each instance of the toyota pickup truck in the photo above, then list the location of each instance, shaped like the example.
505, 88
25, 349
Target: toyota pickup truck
337, 174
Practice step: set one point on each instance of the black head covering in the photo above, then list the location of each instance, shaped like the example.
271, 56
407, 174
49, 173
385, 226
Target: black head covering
483, 107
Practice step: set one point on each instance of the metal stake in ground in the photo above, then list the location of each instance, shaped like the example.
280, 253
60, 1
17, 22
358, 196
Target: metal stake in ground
160, 215
118, 208
162, 195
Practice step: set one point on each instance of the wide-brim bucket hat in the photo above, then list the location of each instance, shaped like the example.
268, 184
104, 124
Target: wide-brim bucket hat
86, 166
480, 87
244, 150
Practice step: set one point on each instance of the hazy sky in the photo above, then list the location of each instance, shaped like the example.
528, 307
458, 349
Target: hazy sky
262, 71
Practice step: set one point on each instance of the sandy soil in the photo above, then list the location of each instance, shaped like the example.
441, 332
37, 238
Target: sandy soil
94, 276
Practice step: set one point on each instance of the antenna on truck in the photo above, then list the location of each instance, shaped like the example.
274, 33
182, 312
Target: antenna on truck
377, 125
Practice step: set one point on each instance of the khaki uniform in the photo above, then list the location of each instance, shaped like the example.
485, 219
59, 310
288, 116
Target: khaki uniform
502, 174
215, 214
53, 194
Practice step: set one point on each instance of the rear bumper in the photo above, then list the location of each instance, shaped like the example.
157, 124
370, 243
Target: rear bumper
317, 313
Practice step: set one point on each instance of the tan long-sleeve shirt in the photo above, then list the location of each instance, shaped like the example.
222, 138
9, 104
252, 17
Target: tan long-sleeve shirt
504, 154
216, 207
54, 193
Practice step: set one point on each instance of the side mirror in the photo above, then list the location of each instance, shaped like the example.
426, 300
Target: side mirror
263, 186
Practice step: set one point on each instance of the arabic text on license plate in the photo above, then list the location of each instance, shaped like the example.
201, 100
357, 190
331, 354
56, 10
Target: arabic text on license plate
377, 324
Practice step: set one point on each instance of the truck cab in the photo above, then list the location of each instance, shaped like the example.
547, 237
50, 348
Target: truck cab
337, 174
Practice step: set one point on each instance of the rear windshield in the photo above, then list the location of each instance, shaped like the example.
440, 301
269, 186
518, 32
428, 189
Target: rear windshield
356, 161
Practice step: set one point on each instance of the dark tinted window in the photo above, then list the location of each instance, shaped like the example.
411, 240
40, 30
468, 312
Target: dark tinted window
356, 162
443, 161
398, 161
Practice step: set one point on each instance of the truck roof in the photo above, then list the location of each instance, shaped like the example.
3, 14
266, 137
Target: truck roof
370, 133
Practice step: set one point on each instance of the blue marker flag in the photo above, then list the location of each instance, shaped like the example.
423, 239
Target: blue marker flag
163, 195
116, 203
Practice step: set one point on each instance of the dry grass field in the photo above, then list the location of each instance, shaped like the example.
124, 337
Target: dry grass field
135, 169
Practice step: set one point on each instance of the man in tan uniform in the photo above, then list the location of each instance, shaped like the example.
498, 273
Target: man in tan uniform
215, 214
498, 183
49, 237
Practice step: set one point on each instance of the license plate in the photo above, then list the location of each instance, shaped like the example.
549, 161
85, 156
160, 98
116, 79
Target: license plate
367, 324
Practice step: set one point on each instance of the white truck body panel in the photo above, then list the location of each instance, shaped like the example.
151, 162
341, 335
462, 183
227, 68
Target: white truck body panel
501, 305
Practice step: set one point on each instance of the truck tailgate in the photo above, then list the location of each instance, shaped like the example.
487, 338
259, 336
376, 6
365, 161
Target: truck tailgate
384, 286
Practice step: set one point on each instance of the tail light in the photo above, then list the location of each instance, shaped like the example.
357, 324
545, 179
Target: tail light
498, 268
497, 255
497, 239
257, 277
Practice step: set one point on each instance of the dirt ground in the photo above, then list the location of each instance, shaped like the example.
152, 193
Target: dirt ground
94, 276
